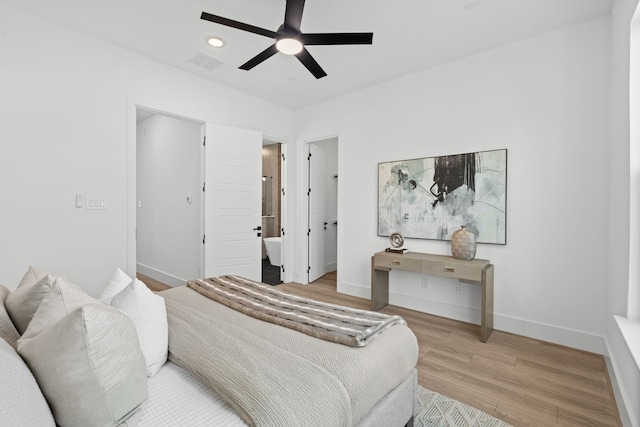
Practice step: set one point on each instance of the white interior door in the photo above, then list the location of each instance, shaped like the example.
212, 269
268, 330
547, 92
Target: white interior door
233, 202
317, 214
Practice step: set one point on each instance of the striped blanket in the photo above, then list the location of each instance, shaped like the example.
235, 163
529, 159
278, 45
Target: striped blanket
322, 320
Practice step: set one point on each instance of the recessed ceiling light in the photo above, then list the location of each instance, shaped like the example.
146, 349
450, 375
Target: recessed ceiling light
215, 42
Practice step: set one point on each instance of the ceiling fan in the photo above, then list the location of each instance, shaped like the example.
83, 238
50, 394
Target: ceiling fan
290, 40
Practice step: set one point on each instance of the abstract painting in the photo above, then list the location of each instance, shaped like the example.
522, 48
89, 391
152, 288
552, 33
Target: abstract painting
431, 197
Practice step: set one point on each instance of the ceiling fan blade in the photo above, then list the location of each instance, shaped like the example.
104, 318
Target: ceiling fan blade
236, 24
336, 38
262, 56
293, 15
312, 65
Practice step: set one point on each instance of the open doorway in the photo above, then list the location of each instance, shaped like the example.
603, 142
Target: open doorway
228, 190
272, 218
169, 199
322, 208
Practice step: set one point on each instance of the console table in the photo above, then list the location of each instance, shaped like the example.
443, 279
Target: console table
479, 271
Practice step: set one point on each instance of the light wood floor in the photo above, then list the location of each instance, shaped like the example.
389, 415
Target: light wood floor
523, 381
152, 284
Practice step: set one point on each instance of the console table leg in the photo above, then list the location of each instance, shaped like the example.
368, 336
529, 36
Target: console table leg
487, 303
379, 287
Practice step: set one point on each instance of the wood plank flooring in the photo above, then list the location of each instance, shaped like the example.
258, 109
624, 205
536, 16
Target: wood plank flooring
152, 284
523, 381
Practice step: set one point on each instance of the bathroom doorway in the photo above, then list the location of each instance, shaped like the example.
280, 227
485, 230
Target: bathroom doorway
272, 220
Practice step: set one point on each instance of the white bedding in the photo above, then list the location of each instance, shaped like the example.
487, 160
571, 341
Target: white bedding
278, 376
174, 392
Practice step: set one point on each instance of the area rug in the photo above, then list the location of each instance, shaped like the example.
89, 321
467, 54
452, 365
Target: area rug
437, 410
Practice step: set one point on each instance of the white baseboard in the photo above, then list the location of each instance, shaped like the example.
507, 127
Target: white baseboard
464, 314
563, 336
299, 278
620, 401
354, 290
160, 276
550, 333
625, 377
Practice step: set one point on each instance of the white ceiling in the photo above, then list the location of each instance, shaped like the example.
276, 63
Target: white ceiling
409, 35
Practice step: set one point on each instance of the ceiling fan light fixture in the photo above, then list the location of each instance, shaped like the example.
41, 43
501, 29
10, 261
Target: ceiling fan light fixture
289, 45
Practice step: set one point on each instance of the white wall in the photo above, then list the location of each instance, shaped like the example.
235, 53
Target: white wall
625, 368
546, 100
65, 119
169, 197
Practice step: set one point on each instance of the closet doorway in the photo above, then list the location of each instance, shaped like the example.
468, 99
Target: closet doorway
322, 237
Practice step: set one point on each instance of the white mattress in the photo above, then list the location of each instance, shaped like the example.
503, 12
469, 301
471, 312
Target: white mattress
178, 398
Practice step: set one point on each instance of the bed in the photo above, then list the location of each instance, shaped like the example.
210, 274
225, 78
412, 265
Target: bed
275, 375
242, 354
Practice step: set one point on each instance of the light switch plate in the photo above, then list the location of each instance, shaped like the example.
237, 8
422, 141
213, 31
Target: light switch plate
96, 202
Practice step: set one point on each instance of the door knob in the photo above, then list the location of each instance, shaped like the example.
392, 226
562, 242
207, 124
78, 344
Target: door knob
258, 228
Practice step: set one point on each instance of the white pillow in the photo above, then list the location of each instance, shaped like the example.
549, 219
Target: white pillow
24, 301
89, 366
8, 330
149, 315
32, 276
63, 297
22, 401
118, 282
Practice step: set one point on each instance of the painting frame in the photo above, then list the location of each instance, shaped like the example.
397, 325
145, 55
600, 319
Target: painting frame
431, 197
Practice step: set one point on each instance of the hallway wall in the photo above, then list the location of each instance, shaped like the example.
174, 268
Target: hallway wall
169, 199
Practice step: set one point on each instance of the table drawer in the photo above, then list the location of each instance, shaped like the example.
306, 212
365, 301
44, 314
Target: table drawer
458, 270
399, 262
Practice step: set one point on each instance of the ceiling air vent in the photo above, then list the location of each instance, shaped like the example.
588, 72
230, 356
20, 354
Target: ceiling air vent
470, 4
206, 61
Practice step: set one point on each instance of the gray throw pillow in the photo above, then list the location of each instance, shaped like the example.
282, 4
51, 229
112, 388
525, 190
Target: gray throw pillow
100, 374
24, 301
63, 297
